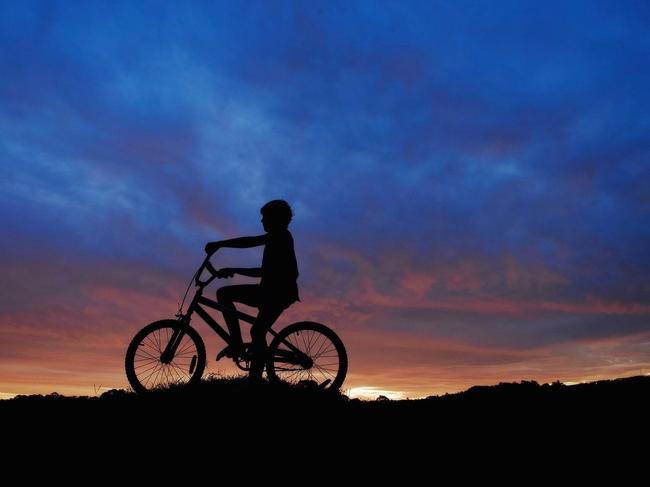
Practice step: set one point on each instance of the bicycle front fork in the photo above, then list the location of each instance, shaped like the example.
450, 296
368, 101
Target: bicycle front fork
172, 346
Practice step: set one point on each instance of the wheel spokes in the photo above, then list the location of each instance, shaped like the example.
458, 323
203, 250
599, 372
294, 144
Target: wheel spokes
153, 373
322, 353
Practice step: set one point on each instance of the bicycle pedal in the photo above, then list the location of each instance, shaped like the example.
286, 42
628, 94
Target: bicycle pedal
223, 353
229, 352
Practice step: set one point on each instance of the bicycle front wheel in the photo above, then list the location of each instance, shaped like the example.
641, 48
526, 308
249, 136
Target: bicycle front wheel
307, 352
144, 366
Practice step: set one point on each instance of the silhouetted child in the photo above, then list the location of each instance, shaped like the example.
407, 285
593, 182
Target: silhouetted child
277, 289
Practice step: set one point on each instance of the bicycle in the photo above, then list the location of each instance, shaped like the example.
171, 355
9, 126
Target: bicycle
171, 352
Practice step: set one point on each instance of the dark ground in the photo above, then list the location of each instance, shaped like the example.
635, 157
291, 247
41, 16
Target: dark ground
483, 433
225, 431
225, 404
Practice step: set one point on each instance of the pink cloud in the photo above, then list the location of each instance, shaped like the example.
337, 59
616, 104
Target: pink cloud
417, 283
465, 284
76, 333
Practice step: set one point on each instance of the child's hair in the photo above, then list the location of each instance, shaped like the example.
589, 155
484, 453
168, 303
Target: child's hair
279, 211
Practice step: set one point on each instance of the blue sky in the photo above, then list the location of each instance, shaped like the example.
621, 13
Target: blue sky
471, 174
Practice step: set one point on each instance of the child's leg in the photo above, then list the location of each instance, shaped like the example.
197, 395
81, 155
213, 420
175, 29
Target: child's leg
265, 319
248, 294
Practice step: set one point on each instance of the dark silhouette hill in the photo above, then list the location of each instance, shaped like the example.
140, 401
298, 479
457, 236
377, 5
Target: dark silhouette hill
232, 414
511, 429
237, 398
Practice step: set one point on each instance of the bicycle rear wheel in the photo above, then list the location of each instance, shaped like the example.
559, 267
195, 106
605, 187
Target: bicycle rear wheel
307, 352
143, 364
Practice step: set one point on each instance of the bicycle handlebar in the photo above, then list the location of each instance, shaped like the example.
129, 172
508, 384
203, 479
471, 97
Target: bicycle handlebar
206, 264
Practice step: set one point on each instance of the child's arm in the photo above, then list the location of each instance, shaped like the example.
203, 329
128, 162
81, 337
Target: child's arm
230, 271
237, 243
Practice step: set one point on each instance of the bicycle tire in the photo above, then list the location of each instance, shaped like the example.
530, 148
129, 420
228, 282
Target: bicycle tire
316, 335
146, 344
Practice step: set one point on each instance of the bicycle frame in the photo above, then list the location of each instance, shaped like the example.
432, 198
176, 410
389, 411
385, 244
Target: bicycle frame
195, 307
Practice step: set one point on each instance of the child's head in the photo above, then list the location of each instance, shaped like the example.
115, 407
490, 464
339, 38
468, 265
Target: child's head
276, 215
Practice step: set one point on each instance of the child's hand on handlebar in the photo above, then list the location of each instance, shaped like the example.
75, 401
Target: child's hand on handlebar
212, 247
225, 272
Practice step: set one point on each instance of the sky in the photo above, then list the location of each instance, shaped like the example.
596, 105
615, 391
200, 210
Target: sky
470, 181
